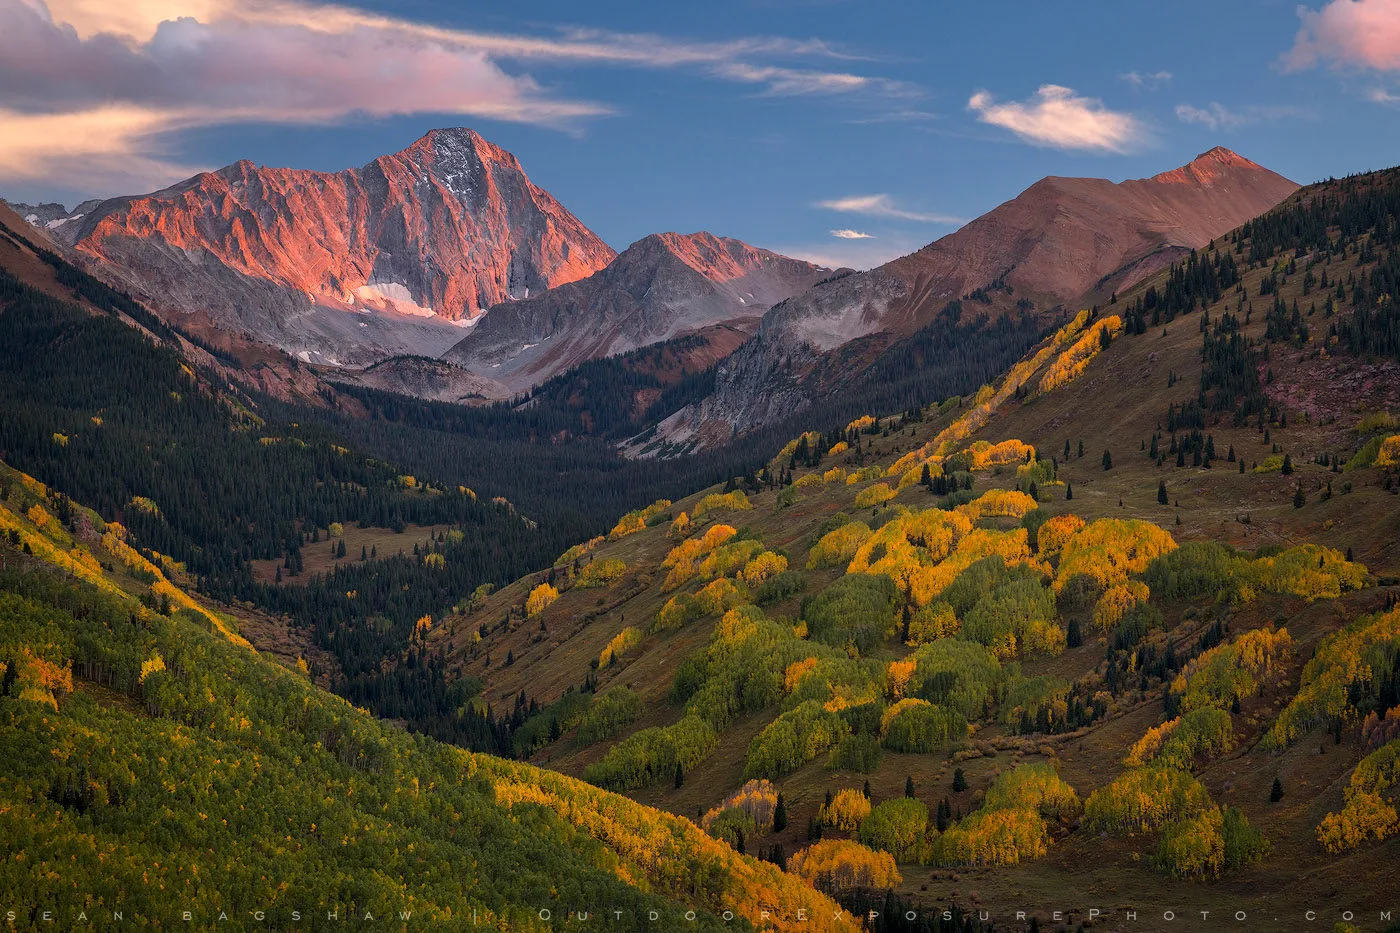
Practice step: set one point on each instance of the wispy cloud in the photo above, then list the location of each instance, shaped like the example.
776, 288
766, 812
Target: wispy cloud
1219, 117
154, 67
882, 205
1380, 95
1149, 81
1348, 34
1056, 116
848, 234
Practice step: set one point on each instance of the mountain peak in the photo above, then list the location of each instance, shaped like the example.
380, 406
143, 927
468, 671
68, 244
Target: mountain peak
1211, 166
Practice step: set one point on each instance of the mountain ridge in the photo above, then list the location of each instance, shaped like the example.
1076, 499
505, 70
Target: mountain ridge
413, 242
661, 286
1059, 242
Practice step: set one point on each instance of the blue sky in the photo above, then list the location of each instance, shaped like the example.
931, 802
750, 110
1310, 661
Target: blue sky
781, 122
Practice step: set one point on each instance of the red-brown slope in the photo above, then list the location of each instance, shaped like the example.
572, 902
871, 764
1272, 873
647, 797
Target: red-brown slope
1060, 242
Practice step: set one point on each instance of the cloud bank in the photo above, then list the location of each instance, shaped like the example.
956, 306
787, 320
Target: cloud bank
94, 88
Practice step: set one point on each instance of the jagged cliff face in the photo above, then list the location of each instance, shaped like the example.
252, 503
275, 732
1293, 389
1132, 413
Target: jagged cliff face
415, 242
661, 286
1061, 241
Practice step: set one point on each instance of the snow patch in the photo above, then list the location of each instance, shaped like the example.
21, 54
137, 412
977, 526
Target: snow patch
391, 296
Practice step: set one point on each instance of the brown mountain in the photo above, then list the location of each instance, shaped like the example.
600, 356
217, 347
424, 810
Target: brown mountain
410, 243
1061, 242
661, 286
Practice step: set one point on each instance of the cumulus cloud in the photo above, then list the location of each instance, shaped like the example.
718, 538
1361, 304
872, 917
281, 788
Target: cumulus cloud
1348, 33
1219, 117
1056, 116
1149, 81
848, 234
882, 205
152, 67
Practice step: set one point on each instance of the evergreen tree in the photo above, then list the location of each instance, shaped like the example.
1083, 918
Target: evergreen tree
780, 815
1107, 460
1069, 491
1287, 468
1300, 498
1162, 493
1276, 792
909, 787
959, 780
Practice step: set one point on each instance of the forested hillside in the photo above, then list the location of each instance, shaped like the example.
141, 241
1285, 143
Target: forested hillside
1126, 616
156, 765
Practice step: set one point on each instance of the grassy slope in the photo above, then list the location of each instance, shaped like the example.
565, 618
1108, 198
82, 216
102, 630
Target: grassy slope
226, 782
1116, 404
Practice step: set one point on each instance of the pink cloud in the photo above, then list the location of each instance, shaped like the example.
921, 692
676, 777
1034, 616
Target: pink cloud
1057, 116
1354, 33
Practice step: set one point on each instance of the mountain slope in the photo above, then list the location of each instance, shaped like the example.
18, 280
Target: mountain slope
1054, 244
936, 563
414, 241
659, 287
156, 765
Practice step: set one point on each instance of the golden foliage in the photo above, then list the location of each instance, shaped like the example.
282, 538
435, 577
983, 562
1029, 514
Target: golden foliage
835, 474
993, 837
636, 520
684, 557
874, 495
998, 503
1056, 531
1231, 671
759, 799
1343, 663
39, 680
1388, 457
1110, 549
720, 596
839, 546
846, 811
1116, 601
1073, 361
679, 526
1144, 799
578, 550
149, 666
984, 455
1367, 813
897, 676
603, 572
796, 671
734, 501
932, 622
540, 598
623, 642
837, 865
765, 565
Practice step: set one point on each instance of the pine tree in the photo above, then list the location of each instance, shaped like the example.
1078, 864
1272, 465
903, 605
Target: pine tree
1276, 793
1287, 468
959, 780
780, 815
1081, 448
1107, 460
866, 790
1069, 490
909, 787
680, 777
1162, 493
1300, 498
